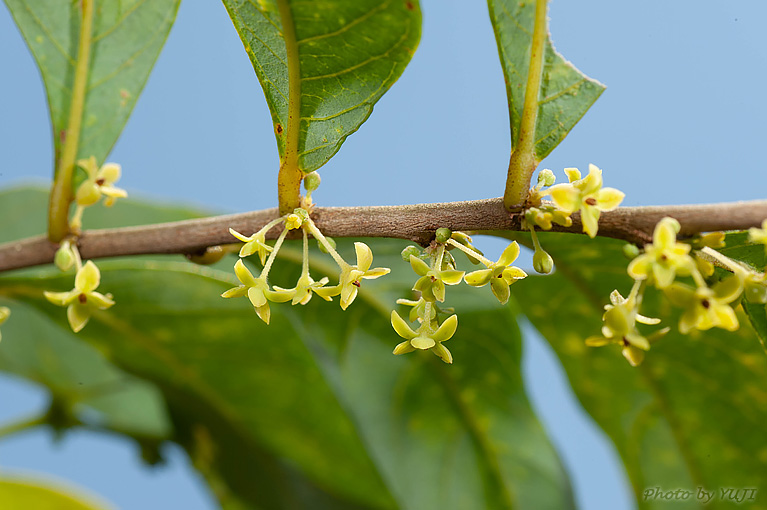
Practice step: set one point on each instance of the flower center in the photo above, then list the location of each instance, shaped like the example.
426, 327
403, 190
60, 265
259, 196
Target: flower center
82, 298
591, 201
356, 283
100, 182
706, 304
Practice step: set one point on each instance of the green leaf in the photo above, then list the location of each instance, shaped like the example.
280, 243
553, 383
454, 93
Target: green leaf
18, 493
313, 411
342, 55
565, 94
691, 415
127, 38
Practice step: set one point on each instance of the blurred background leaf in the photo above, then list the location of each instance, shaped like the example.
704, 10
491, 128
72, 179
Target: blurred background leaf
690, 415
20, 493
314, 411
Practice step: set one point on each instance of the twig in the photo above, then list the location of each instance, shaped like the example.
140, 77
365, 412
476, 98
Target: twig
412, 222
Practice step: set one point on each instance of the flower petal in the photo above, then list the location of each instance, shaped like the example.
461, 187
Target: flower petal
728, 289
401, 327
419, 266
99, 300
61, 298
110, 172
348, 293
242, 290
640, 267
478, 278
726, 318
566, 197
665, 233
372, 274
364, 256
639, 341
243, 274
78, 316
598, 341
512, 273
443, 353
573, 174
609, 199
509, 255
403, 347
590, 220
451, 276
500, 289
423, 342
88, 277
633, 355
256, 296
279, 296
592, 182
264, 313
446, 329
239, 236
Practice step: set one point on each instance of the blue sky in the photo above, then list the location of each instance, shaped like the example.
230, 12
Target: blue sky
680, 122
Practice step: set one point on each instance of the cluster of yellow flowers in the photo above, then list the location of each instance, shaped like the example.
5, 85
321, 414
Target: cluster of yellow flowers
704, 307
259, 291
436, 267
83, 299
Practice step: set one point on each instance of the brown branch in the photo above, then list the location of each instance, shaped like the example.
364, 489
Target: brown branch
412, 222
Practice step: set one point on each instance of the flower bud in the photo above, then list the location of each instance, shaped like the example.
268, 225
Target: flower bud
65, 257
410, 250
312, 181
443, 234
546, 177
542, 262
330, 241
630, 251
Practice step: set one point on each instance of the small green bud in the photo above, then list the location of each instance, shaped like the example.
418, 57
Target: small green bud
542, 262
301, 213
312, 181
443, 234
410, 250
546, 177
630, 251
756, 292
64, 258
330, 241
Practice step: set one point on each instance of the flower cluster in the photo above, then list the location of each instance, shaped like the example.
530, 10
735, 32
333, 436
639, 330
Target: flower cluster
436, 268
662, 263
583, 194
258, 289
83, 300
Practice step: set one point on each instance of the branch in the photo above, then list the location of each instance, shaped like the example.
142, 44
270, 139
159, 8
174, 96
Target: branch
412, 222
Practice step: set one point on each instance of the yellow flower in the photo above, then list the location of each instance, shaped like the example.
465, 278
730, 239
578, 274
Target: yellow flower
100, 182
257, 290
619, 327
306, 286
586, 195
431, 283
81, 300
704, 307
351, 276
253, 244
499, 275
5, 312
665, 258
429, 336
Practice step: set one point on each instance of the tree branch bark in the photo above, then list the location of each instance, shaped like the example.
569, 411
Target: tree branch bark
416, 223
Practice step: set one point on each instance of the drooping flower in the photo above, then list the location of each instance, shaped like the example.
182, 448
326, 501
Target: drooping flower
664, 258
431, 283
619, 327
306, 286
587, 195
429, 336
255, 243
500, 274
83, 299
706, 307
257, 290
100, 181
351, 276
